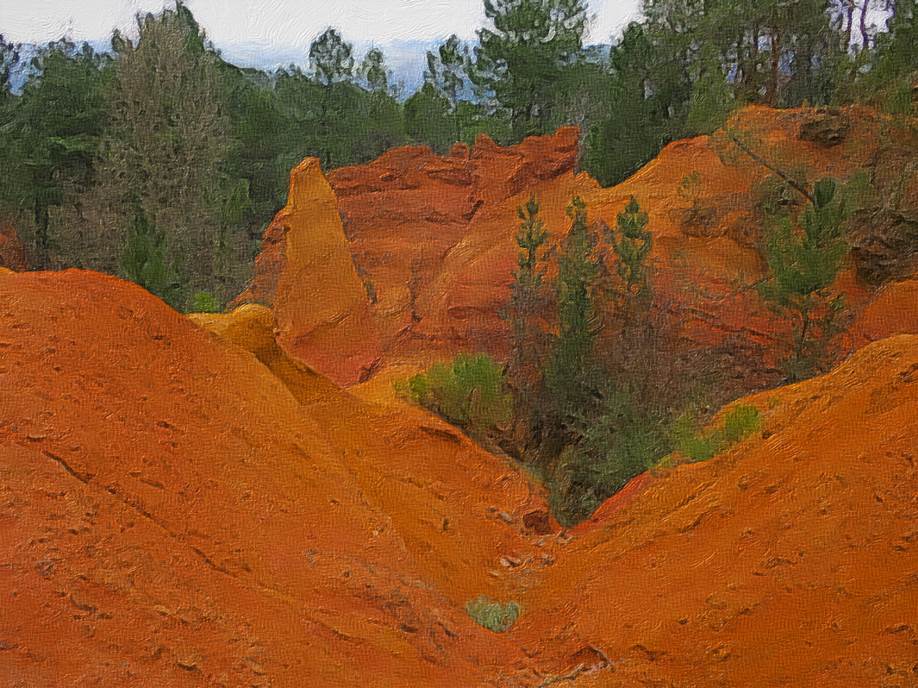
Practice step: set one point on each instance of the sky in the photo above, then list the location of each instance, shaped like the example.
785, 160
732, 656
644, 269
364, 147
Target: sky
280, 25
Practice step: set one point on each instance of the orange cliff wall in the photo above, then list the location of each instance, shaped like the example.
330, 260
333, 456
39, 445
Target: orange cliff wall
410, 210
432, 239
306, 273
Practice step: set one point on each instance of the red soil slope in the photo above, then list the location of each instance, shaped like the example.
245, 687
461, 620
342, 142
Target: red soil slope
181, 507
791, 560
174, 514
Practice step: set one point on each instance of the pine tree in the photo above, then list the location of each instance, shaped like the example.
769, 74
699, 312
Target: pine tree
374, 72
521, 55
527, 302
631, 241
168, 142
712, 98
144, 259
803, 263
331, 58
569, 377
446, 72
54, 148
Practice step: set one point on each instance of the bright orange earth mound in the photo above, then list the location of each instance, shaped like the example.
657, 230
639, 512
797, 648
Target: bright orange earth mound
790, 560
180, 507
172, 514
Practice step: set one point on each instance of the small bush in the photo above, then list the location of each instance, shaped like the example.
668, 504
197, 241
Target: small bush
470, 392
617, 445
205, 302
739, 423
493, 615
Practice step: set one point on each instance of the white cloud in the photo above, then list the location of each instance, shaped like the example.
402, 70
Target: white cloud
279, 23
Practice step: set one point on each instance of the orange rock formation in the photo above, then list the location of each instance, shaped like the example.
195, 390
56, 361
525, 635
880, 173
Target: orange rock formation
433, 236
306, 272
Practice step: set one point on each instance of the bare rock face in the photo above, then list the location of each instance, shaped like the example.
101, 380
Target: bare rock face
12, 252
411, 213
884, 244
306, 274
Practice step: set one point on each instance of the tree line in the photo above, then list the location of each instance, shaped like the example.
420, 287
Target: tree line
160, 161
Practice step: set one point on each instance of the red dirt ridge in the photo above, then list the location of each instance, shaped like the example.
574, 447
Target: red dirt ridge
183, 504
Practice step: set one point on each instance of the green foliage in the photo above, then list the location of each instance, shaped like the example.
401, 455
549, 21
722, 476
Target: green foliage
331, 58
9, 58
631, 241
469, 392
803, 263
374, 72
51, 139
527, 303
613, 447
712, 99
167, 144
740, 422
145, 261
205, 302
446, 69
427, 118
522, 53
886, 74
569, 377
636, 124
493, 615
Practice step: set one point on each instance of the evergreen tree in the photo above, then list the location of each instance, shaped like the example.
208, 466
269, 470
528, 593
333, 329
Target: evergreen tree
712, 98
803, 263
428, 119
888, 81
631, 241
521, 54
637, 123
9, 58
527, 303
52, 138
168, 143
446, 72
570, 379
144, 259
331, 58
373, 71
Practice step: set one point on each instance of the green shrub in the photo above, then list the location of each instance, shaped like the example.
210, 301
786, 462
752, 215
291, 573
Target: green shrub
613, 448
469, 392
205, 302
740, 422
493, 615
